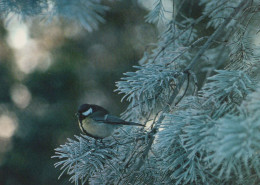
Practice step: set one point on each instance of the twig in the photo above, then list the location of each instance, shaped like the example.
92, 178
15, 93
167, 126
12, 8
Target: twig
187, 49
188, 82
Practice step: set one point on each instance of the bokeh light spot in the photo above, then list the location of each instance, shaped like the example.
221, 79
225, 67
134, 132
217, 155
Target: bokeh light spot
8, 126
18, 34
20, 95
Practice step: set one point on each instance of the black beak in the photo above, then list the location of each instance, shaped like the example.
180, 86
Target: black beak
77, 114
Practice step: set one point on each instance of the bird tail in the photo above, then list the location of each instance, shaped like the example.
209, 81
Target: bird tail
115, 120
132, 123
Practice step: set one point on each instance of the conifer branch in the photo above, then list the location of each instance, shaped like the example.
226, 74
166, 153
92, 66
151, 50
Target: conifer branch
194, 61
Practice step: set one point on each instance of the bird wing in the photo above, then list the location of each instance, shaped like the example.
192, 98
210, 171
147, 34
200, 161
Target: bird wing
110, 119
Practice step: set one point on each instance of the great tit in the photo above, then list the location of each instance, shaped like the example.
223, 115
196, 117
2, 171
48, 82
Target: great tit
96, 122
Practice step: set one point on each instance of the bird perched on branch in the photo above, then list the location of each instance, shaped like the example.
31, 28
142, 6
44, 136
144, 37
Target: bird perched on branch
96, 122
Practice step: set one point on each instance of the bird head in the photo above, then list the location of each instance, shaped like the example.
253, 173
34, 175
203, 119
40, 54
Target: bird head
86, 110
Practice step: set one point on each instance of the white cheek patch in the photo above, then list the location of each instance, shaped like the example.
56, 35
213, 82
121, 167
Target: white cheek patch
88, 112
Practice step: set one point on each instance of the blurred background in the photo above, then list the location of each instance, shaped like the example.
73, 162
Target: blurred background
47, 71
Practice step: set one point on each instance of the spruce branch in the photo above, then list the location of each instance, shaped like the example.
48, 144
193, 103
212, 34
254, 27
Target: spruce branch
192, 24
194, 61
89, 13
234, 143
81, 158
156, 14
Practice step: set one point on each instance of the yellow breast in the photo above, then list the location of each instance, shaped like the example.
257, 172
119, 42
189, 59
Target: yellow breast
96, 129
82, 125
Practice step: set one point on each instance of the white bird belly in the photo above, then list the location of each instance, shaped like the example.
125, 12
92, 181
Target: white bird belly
97, 129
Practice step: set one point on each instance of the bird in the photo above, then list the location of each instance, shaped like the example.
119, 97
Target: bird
96, 122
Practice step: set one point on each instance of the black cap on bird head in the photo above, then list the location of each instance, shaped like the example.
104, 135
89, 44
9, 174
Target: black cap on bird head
85, 110
84, 107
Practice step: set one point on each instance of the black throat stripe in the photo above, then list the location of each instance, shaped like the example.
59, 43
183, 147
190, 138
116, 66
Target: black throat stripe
81, 127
